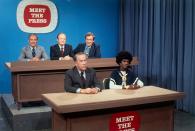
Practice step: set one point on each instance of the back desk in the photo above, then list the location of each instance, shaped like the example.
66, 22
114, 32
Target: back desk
31, 79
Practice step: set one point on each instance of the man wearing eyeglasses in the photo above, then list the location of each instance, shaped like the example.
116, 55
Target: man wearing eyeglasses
91, 49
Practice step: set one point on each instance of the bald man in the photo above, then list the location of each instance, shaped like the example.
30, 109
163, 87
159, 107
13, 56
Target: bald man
61, 50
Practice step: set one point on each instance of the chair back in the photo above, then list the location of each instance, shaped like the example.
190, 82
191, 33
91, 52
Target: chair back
106, 82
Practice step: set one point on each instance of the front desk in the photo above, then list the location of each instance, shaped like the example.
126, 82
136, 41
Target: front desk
94, 112
31, 79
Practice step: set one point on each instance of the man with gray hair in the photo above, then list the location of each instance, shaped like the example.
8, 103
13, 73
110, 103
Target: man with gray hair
81, 79
33, 52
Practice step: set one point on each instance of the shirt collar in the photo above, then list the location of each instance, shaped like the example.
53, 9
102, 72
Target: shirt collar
87, 46
80, 71
33, 47
61, 46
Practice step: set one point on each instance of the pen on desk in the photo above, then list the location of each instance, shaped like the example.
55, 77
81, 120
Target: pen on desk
135, 81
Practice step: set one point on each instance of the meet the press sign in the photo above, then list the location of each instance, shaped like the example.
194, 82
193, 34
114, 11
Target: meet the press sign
125, 121
37, 16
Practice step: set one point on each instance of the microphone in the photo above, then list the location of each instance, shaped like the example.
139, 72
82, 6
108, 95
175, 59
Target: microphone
135, 81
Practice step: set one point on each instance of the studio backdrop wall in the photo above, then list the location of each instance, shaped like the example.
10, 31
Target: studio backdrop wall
75, 18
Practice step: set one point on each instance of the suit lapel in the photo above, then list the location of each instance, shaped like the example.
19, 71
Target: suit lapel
58, 50
77, 76
29, 52
87, 72
38, 51
66, 50
91, 50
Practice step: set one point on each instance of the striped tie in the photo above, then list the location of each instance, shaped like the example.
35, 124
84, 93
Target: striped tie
33, 52
62, 51
87, 50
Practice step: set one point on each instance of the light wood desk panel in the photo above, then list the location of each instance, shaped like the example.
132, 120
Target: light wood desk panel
92, 112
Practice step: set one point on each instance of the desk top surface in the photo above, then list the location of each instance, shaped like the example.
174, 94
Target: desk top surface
72, 102
21, 66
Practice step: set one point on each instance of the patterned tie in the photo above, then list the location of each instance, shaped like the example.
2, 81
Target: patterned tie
83, 79
87, 50
62, 51
33, 52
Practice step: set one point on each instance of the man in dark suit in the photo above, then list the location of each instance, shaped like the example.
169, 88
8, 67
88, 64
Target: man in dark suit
81, 79
33, 51
61, 51
91, 49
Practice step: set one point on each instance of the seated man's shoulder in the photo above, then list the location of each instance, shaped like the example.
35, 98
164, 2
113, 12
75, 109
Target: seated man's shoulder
25, 48
70, 71
96, 45
53, 46
91, 70
40, 47
81, 44
68, 45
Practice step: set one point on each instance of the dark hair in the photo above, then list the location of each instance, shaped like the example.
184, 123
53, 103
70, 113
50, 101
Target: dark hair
123, 55
77, 54
90, 34
33, 34
60, 34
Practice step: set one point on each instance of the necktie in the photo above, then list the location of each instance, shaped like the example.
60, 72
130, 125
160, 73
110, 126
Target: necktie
83, 79
62, 51
87, 50
33, 52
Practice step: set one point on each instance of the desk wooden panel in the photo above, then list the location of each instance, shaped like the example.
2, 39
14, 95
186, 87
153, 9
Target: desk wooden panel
31, 79
72, 112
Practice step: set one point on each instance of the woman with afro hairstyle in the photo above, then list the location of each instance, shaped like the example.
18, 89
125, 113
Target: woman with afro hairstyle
123, 77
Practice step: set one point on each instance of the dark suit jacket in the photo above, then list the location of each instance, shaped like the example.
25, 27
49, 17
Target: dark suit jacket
93, 53
55, 53
73, 80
